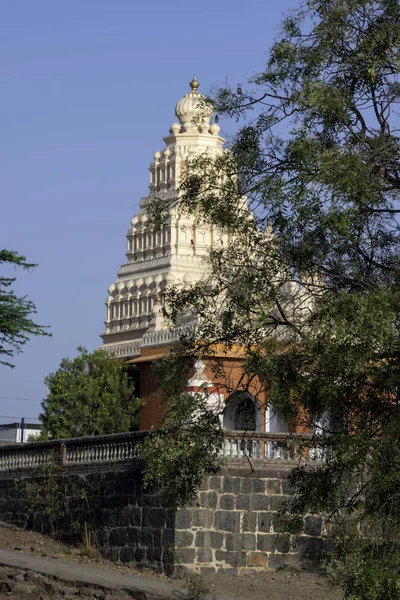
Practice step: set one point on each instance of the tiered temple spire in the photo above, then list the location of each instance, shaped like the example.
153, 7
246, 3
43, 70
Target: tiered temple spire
171, 255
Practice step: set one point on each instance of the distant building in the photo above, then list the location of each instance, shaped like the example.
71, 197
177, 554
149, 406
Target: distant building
18, 432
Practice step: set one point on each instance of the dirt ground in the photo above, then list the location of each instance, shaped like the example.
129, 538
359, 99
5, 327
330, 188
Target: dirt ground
267, 585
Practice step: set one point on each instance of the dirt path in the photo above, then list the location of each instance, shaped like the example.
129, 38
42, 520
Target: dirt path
81, 576
29, 546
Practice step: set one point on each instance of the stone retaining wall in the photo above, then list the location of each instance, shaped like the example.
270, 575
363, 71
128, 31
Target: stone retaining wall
127, 523
234, 524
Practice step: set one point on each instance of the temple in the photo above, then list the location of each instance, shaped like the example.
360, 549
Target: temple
135, 329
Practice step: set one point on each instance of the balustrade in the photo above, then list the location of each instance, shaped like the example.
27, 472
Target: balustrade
126, 446
269, 446
74, 451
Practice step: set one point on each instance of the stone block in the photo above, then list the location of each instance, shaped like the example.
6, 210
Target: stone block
209, 539
170, 518
208, 499
153, 500
154, 554
124, 516
215, 483
132, 535
265, 542
240, 541
246, 485
231, 485
260, 502
264, 522
257, 559
243, 501
185, 556
204, 555
273, 486
140, 554
313, 526
153, 517
183, 539
234, 559
310, 546
226, 520
202, 517
167, 556
276, 502
157, 536
282, 544
131, 516
117, 536
127, 555
258, 486
112, 553
249, 521
183, 518
146, 537
277, 561
227, 502
168, 537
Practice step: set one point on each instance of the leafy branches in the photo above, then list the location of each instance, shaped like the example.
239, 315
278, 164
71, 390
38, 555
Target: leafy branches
92, 394
189, 438
307, 279
16, 326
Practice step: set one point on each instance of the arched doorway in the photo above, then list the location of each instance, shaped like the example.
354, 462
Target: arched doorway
243, 413
245, 418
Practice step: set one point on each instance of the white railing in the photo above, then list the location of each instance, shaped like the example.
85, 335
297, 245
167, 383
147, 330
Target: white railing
26, 457
96, 449
126, 446
102, 452
269, 446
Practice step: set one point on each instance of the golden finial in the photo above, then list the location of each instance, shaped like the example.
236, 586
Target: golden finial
194, 84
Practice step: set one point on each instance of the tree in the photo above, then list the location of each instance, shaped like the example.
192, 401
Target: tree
92, 394
16, 326
309, 286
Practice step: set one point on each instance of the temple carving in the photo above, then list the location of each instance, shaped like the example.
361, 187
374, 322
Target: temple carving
176, 253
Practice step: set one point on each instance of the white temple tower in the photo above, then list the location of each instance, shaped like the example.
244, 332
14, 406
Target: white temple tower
175, 254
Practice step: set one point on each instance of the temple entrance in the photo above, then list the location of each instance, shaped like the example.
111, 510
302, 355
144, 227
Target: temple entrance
245, 416
243, 413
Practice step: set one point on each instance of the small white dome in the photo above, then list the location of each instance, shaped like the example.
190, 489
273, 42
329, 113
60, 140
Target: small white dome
192, 110
175, 128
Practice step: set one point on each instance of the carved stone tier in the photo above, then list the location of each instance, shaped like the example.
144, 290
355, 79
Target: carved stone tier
173, 255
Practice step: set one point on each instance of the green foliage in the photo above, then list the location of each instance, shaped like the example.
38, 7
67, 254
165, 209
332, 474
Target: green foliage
16, 326
359, 562
92, 394
309, 284
49, 496
186, 445
46, 494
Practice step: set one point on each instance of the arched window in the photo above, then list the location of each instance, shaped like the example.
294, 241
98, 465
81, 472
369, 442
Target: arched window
245, 415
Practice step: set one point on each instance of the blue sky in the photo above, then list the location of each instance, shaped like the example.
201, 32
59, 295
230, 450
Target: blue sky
88, 91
